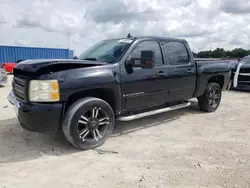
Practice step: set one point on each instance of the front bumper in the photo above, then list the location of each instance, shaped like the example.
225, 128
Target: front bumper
37, 117
242, 81
243, 85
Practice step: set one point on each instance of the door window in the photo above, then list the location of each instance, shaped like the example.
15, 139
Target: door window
148, 45
176, 53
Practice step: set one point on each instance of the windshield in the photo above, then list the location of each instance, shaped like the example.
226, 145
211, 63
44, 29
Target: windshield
107, 51
246, 60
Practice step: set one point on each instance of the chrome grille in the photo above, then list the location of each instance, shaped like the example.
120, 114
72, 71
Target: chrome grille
244, 78
19, 86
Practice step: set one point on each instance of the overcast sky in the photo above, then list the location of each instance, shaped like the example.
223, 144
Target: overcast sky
45, 23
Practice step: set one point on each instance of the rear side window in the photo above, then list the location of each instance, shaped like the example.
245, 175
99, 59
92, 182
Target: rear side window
148, 45
176, 53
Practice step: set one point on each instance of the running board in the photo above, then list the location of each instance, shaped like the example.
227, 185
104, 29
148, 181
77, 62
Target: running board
153, 112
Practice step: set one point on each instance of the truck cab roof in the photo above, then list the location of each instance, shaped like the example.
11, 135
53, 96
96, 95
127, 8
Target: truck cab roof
161, 38
151, 37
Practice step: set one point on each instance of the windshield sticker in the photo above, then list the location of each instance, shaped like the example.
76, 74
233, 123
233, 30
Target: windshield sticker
126, 40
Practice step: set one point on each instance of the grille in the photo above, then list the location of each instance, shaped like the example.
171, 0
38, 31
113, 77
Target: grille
20, 88
241, 77
244, 78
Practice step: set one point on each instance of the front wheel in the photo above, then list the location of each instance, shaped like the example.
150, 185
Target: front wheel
88, 123
211, 98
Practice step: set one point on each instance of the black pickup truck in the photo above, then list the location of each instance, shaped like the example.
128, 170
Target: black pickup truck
118, 79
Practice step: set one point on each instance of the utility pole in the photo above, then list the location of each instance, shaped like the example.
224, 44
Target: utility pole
68, 43
68, 38
210, 51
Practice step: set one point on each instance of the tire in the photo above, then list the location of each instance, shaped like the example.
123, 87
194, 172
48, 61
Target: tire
207, 102
79, 128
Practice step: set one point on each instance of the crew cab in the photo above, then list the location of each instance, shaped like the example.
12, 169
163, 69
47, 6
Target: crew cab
116, 79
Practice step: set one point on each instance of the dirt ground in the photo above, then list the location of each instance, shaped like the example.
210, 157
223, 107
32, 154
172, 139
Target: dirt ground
184, 148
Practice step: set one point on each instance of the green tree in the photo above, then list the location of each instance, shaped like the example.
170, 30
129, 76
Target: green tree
203, 54
221, 53
240, 53
218, 53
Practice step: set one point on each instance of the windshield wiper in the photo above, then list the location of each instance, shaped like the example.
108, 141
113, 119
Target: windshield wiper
91, 59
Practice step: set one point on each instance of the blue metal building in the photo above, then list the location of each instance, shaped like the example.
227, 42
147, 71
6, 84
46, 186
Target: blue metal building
14, 53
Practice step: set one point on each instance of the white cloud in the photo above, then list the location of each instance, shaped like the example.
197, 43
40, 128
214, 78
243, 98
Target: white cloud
204, 23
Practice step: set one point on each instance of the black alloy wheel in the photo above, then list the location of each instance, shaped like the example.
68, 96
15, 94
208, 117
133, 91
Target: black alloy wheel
93, 125
214, 97
210, 100
88, 123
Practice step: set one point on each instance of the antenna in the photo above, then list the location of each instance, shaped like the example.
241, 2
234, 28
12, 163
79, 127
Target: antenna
129, 35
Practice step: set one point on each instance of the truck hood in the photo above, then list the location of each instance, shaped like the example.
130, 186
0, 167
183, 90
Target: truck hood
44, 66
245, 68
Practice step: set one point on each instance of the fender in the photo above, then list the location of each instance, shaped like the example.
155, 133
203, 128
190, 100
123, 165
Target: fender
208, 70
80, 80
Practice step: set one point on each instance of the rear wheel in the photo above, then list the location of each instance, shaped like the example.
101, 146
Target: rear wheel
211, 98
88, 123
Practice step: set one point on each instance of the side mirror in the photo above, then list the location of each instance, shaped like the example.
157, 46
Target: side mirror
146, 61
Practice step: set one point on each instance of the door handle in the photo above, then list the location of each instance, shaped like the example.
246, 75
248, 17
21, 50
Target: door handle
189, 71
161, 74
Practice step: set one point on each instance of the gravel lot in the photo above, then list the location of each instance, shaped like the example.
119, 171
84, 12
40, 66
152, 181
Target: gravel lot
184, 148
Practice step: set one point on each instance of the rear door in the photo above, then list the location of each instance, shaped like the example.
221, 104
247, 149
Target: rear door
180, 78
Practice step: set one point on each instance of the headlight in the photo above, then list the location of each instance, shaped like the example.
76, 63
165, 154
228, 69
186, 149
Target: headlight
44, 91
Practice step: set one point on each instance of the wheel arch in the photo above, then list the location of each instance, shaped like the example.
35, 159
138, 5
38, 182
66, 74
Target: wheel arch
106, 94
204, 80
219, 79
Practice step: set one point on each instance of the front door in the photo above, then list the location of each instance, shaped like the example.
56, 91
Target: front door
139, 89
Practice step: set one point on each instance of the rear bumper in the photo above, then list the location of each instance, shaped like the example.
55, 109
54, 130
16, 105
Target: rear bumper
43, 118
